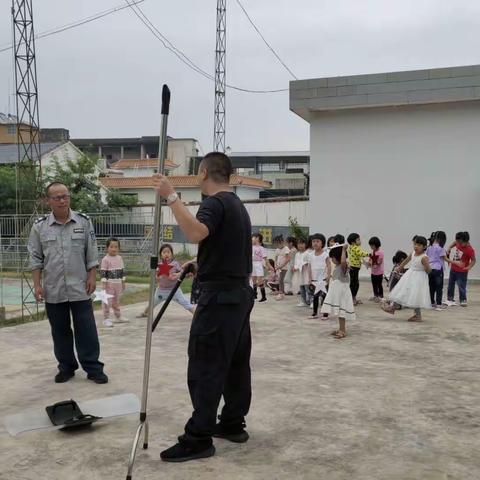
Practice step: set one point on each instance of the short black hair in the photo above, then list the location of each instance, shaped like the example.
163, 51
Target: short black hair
352, 238
339, 238
259, 236
318, 236
292, 240
110, 240
218, 166
330, 239
164, 247
399, 257
440, 238
336, 253
375, 242
278, 239
462, 236
419, 240
51, 184
302, 240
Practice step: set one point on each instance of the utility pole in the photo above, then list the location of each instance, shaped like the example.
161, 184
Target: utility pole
220, 77
28, 177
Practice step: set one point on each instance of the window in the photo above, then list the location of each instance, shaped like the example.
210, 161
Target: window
269, 167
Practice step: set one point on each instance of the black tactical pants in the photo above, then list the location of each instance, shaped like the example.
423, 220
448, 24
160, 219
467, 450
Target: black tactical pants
219, 361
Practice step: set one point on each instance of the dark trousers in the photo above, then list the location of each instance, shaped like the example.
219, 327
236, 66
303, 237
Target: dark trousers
84, 333
459, 278
316, 300
219, 362
377, 284
435, 279
354, 285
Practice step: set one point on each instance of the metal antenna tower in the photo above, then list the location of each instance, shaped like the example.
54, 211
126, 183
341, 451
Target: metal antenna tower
28, 137
220, 77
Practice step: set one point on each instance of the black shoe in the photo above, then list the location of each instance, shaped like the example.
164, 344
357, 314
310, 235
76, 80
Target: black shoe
236, 434
262, 300
98, 377
62, 377
183, 453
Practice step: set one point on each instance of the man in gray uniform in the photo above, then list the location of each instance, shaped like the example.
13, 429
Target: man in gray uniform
63, 248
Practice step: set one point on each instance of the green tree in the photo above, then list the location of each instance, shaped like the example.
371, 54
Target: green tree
80, 177
7, 189
296, 230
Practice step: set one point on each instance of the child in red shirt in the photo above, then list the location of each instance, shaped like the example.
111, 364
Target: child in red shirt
462, 262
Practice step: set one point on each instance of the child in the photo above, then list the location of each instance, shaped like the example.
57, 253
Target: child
355, 256
320, 271
412, 290
396, 274
167, 275
113, 281
436, 256
462, 262
272, 279
331, 241
377, 265
282, 259
259, 257
339, 301
300, 277
293, 246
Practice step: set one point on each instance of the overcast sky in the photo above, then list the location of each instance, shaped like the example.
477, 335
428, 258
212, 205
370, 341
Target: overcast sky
104, 79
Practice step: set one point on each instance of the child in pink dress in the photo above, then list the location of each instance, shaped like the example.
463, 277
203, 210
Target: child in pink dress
113, 281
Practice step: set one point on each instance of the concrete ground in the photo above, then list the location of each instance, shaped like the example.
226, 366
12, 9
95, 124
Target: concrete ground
394, 400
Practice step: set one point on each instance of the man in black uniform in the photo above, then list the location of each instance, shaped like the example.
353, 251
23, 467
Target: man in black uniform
220, 342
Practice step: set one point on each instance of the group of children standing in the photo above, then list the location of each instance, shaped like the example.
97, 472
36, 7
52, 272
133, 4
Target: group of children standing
326, 273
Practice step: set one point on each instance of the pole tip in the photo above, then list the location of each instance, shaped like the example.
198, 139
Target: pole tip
165, 100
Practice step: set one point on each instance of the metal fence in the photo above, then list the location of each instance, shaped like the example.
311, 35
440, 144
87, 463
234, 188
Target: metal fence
132, 229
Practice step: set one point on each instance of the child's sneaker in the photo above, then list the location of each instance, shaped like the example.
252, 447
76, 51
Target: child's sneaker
107, 323
450, 303
440, 308
121, 320
463, 303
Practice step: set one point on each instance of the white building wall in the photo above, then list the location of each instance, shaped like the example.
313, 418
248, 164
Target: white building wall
397, 172
180, 151
64, 152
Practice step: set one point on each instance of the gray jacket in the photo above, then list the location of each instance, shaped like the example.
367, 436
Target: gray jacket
65, 253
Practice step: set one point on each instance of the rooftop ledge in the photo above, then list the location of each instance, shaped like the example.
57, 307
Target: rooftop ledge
438, 85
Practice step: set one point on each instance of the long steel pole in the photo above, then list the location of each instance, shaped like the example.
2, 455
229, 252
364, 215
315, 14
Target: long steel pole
162, 153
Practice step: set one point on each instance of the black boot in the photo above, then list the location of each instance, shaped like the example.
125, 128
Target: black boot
264, 295
255, 294
233, 433
182, 451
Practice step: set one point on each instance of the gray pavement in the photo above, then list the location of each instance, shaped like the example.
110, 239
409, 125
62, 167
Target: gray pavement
394, 400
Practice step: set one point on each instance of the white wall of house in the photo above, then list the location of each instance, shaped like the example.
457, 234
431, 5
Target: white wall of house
64, 152
397, 171
180, 151
138, 172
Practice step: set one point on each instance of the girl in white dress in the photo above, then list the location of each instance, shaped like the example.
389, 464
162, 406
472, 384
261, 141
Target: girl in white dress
339, 301
412, 291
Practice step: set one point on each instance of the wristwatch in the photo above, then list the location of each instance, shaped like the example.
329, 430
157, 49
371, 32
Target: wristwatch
172, 198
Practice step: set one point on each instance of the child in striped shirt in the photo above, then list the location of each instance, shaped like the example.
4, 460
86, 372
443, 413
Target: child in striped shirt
113, 281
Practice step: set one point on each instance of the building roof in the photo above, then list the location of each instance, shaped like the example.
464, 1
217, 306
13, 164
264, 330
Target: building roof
7, 119
414, 87
142, 163
86, 142
179, 181
9, 151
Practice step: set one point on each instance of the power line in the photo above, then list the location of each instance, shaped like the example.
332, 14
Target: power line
76, 23
265, 41
182, 56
